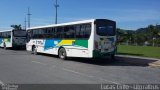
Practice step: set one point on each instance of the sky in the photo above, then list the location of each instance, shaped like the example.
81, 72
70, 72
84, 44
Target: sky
129, 14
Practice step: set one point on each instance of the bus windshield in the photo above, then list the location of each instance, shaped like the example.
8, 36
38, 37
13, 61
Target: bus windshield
105, 28
19, 33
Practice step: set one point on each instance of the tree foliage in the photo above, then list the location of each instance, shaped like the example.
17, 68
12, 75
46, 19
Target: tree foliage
16, 27
141, 36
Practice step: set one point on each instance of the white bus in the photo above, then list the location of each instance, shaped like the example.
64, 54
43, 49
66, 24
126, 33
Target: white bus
13, 38
88, 39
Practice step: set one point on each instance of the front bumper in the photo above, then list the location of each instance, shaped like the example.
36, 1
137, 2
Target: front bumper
19, 46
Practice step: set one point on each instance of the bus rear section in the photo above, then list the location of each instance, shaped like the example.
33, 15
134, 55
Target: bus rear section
5, 39
104, 38
19, 38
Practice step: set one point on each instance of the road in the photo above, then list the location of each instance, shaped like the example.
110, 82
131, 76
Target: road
20, 67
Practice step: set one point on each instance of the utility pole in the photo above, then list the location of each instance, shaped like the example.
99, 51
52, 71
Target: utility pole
56, 6
29, 18
25, 23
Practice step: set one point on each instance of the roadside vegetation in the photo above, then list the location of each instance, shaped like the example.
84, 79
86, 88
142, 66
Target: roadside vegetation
143, 51
143, 42
148, 36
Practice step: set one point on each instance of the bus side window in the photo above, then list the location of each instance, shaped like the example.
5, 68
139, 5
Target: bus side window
53, 32
66, 32
0, 35
44, 33
5, 34
47, 33
29, 35
50, 33
77, 29
87, 31
69, 32
10, 35
41, 34
82, 33
59, 32
35, 34
72, 32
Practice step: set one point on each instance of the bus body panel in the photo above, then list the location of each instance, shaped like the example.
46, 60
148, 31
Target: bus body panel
74, 48
9, 40
95, 46
104, 46
1, 42
6, 41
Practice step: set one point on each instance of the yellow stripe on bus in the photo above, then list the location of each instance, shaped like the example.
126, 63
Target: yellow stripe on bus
66, 42
5, 40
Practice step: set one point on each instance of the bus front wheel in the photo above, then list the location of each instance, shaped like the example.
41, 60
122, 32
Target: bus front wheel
34, 50
62, 54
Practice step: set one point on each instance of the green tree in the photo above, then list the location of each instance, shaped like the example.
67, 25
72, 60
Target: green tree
121, 35
16, 27
153, 33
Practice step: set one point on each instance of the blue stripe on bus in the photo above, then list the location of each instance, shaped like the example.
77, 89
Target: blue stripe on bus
1, 40
51, 43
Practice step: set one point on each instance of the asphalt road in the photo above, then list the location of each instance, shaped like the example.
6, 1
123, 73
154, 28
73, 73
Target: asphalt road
20, 67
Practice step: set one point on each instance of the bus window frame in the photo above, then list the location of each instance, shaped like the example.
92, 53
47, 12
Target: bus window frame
54, 31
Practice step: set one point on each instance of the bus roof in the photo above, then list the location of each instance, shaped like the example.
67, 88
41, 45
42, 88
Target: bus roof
5, 30
64, 24
9, 30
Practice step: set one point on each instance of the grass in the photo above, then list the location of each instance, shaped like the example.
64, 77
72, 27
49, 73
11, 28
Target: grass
144, 51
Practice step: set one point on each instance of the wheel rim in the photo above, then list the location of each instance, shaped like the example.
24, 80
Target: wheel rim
4, 46
34, 51
62, 54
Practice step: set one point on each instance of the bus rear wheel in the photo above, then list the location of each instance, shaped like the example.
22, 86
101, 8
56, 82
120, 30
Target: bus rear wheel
4, 46
113, 57
62, 54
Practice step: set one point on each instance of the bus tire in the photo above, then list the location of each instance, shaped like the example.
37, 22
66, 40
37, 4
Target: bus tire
4, 46
62, 54
113, 57
34, 50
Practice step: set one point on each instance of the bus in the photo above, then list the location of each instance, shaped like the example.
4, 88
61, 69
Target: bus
13, 38
93, 38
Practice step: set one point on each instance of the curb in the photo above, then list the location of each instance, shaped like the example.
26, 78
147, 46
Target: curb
155, 64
